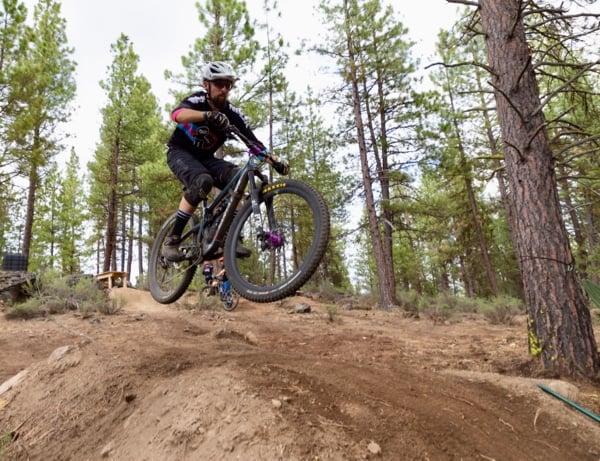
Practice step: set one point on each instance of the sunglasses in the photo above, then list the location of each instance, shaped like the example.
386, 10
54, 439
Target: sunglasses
220, 84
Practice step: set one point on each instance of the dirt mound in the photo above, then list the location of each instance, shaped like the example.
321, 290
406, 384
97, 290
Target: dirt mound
168, 383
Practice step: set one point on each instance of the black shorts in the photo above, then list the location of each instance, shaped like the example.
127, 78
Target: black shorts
186, 166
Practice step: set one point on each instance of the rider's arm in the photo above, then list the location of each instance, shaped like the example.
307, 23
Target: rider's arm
238, 119
184, 115
192, 109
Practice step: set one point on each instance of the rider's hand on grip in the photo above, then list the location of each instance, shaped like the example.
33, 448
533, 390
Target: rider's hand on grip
282, 168
216, 120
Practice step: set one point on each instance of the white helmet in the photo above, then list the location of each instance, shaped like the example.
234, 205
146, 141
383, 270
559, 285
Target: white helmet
218, 70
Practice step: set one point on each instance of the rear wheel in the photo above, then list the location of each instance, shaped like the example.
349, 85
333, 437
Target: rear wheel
169, 280
288, 241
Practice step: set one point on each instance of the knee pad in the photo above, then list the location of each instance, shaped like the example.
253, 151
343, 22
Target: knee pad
198, 189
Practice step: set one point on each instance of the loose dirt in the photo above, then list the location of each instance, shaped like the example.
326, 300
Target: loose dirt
156, 382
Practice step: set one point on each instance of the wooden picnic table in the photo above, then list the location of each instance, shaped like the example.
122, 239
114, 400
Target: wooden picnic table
112, 277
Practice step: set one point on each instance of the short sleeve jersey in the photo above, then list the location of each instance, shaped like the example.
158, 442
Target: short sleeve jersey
185, 133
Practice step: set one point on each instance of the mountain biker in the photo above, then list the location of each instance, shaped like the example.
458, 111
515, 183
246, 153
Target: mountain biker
222, 274
202, 118
208, 272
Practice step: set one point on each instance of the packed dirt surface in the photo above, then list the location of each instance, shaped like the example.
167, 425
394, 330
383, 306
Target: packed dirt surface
265, 382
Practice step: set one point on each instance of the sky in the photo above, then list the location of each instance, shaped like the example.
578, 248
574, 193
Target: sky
162, 31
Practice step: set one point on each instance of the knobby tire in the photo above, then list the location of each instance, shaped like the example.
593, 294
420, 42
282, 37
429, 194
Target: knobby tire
168, 281
275, 272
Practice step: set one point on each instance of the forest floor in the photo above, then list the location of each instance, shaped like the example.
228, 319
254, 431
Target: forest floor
156, 382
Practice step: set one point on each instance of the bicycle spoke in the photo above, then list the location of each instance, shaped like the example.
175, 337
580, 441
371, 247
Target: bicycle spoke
287, 240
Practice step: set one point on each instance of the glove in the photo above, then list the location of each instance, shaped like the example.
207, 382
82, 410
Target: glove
280, 167
216, 120
202, 139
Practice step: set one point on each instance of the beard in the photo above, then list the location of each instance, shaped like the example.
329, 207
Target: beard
220, 101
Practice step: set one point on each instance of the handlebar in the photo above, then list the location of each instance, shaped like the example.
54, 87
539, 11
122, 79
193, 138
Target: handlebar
256, 149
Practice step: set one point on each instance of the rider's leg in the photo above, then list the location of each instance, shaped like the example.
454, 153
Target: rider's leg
197, 182
184, 213
193, 195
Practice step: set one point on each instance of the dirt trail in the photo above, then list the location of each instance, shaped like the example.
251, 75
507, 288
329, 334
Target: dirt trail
262, 383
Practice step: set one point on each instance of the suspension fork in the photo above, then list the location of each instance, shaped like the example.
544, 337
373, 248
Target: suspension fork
257, 221
270, 237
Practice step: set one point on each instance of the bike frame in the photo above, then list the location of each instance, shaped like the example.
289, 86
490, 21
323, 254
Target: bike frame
235, 189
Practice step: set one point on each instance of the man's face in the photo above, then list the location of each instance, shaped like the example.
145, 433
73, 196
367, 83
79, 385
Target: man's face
218, 91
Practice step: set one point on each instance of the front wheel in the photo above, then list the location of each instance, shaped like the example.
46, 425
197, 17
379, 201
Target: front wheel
229, 297
169, 280
288, 239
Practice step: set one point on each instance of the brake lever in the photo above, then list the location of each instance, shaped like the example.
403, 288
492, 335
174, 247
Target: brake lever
283, 168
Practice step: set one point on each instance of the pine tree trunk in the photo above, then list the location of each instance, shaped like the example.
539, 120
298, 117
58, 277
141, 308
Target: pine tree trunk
140, 240
579, 237
385, 274
31, 197
560, 328
111, 215
591, 233
483, 245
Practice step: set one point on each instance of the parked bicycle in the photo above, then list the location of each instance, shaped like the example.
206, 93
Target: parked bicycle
284, 223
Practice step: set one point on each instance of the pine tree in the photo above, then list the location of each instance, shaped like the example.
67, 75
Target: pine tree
12, 27
560, 329
229, 36
59, 225
42, 86
129, 138
311, 150
45, 239
72, 219
374, 62
574, 133
457, 143
12, 19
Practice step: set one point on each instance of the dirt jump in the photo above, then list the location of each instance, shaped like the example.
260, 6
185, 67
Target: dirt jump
279, 382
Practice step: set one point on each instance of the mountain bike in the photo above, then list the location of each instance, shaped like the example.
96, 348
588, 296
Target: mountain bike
222, 288
284, 223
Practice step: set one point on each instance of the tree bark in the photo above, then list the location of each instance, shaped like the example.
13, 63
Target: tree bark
111, 215
385, 274
34, 180
559, 322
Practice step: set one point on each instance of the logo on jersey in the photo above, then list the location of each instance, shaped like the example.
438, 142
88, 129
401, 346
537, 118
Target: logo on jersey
205, 139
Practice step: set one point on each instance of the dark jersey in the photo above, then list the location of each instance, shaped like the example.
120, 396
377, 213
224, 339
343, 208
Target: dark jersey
186, 133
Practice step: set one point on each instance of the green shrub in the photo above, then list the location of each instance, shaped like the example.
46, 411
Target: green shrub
52, 294
502, 310
408, 300
444, 307
322, 290
332, 312
5, 440
366, 301
110, 306
200, 302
